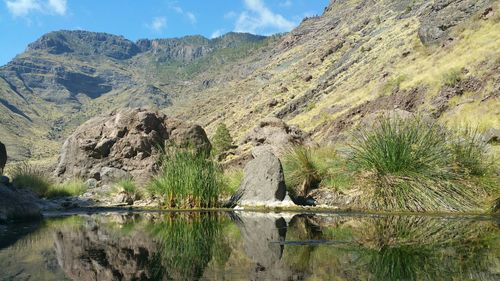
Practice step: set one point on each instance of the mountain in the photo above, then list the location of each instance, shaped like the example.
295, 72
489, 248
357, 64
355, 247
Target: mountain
358, 58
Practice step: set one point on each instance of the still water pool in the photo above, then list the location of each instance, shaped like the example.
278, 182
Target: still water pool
251, 246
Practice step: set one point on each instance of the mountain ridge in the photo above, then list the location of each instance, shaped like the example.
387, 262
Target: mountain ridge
325, 76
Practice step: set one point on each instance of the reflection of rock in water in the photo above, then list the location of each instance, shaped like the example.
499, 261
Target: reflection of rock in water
92, 253
263, 235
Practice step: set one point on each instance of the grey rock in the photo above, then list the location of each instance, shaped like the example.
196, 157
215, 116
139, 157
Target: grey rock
17, 205
3, 157
445, 14
263, 183
276, 133
125, 144
492, 135
91, 183
110, 174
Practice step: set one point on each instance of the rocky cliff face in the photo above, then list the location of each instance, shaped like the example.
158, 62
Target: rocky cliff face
330, 72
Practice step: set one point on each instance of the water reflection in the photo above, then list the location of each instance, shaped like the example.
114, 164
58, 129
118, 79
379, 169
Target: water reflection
255, 246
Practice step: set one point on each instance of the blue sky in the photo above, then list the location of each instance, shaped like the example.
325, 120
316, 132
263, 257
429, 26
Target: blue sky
23, 21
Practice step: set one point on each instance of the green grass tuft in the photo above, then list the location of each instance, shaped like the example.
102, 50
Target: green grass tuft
73, 187
25, 175
187, 180
470, 152
402, 147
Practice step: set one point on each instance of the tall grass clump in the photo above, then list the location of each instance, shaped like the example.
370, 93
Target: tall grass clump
302, 171
470, 152
28, 176
413, 167
402, 147
74, 187
187, 179
307, 168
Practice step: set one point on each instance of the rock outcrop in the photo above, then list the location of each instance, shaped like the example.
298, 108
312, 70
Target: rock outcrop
263, 183
17, 205
3, 157
445, 14
276, 133
124, 144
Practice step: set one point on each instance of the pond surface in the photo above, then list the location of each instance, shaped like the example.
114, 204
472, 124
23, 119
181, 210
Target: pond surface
251, 246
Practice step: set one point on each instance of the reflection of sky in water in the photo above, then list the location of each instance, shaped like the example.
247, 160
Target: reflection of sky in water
251, 246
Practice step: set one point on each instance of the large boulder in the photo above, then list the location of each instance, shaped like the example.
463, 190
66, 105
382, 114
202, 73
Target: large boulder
276, 133
126, 143
263, 183
17, 205
3, 157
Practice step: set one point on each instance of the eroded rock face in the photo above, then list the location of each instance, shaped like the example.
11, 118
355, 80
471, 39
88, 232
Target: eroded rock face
276, 133
93, 253
16, 205
125, 144
263, 183
3, 157
443, 15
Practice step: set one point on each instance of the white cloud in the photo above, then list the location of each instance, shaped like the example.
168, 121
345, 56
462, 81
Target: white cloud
189, 15
24, 7
230, 15
217, 33
157, 24
21, 8
258, 17
58, 6
287, 3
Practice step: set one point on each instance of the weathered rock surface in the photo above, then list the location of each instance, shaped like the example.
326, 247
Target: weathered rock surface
3, 157
276, 133
125, 144
445, 14
92, 253
332, 198
263, 183
17, 205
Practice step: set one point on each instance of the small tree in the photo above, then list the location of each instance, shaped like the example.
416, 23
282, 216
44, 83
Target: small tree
222, 139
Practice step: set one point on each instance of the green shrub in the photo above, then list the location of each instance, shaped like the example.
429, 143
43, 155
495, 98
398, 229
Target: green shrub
73, 187
452, 77
402, 147
129, 187
302, 171
187, 179
470, 152
222, 140
28, 176
413, 167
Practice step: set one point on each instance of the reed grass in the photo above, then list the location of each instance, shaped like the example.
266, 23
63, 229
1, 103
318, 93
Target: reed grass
187, 179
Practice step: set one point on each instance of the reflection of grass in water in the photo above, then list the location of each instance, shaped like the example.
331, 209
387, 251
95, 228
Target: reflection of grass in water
396, 248
188, 243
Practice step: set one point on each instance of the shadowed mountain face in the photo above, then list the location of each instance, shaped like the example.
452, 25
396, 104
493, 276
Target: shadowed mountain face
358, 58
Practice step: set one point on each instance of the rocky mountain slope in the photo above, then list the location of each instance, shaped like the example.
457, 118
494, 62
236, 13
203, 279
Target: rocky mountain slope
360, 57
